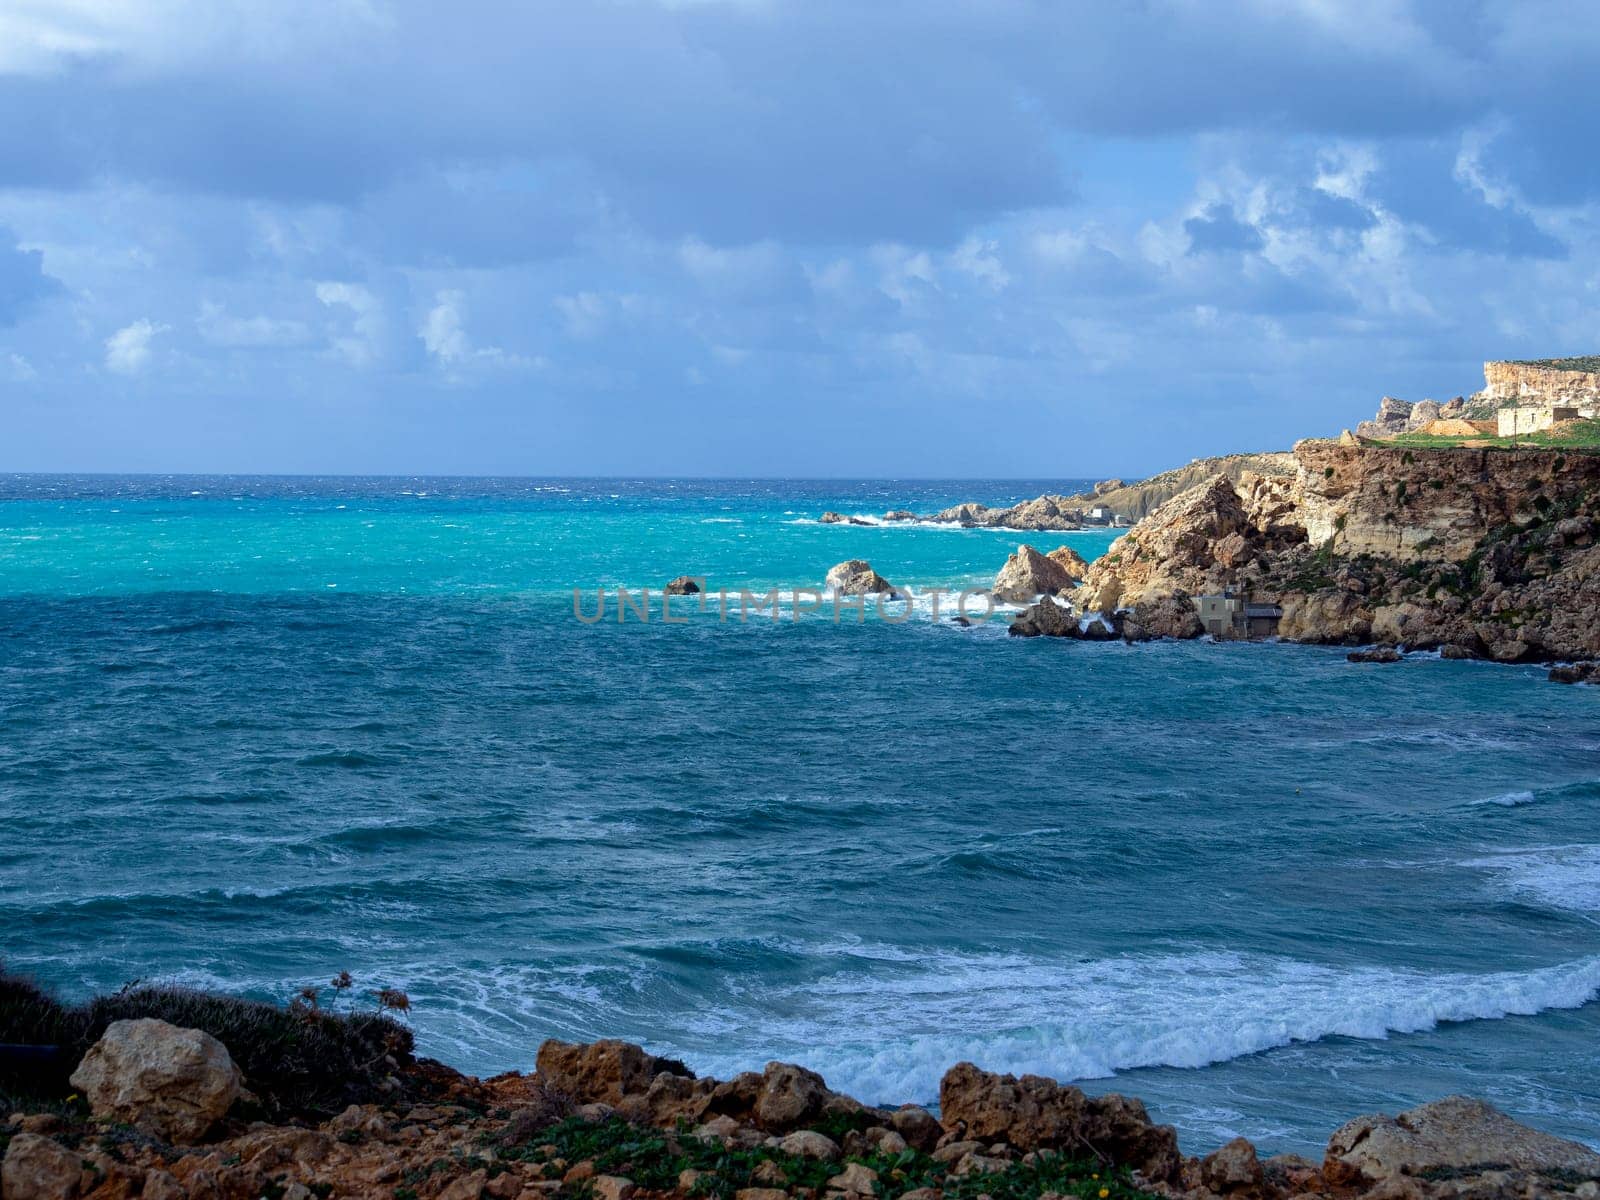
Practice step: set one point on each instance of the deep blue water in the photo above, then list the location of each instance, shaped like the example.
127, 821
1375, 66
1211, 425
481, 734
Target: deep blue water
257, 731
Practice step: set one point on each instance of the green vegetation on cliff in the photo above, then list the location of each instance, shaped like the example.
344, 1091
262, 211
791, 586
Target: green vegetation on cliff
1569, 435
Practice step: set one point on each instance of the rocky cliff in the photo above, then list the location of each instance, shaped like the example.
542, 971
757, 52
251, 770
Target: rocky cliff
1550, 381
1136, 501
1490, 552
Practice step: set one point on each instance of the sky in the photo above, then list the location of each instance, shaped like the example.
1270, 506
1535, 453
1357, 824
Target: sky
877, 238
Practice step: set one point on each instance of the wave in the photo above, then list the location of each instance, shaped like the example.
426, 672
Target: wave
884, 1023
353, 759
1563, 877
1506, 800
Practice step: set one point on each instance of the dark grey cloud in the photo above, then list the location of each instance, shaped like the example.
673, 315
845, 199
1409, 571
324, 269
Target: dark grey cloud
828, 121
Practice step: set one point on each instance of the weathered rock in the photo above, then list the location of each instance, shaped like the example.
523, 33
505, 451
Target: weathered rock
855, 577
917, 1125
171, 1082
685, 585
789, 1095
1455, 650
857, 1178
899, 514
1423, 413
38, 1168
1378, 654
1163, 617
1456, 1134
1337, 616
465, 1187
1070, 561
606, 1071
833, 518
1234, 1167
612, 1187
1046, 619
1027, 574
1035, 1113
808, 1143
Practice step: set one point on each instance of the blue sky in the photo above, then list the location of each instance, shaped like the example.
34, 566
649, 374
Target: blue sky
774, 237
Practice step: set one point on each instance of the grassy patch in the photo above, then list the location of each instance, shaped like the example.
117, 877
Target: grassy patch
1574, 435
654, 1159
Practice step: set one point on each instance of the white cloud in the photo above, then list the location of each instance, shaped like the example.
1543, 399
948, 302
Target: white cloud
128, 349
442, 332
220, 329
979, 258
363, 346
18, 368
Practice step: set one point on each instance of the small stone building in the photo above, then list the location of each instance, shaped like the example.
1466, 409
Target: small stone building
1226, 614
1532, 418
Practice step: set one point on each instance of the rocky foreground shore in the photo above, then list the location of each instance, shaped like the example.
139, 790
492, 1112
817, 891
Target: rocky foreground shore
161, 1111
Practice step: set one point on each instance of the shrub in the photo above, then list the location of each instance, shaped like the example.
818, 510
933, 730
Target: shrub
296, 1060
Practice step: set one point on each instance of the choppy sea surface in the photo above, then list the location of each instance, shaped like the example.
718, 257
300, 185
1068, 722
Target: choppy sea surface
257, 731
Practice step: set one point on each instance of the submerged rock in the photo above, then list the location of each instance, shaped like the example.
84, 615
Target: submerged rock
171, 1082
1378, 654
1580, 672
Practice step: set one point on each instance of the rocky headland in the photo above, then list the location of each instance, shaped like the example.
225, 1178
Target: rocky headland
1110, 502
1480, 552
233, 1107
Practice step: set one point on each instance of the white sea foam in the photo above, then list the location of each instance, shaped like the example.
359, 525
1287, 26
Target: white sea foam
1566, 877
885, 1022
1507, 799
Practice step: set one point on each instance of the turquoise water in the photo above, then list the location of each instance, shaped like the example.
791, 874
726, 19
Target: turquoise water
253, 732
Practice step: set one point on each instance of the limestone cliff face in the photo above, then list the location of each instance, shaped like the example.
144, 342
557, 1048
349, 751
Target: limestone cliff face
1491, 551
1511, 382
1428, 504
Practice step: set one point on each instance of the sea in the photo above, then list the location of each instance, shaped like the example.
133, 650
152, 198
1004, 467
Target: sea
258, 731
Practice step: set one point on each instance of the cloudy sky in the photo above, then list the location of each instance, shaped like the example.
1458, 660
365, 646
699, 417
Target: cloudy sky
774, 237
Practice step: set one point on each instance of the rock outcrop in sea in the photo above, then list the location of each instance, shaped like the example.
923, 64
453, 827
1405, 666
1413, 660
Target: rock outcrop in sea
855, 577
1027, 574
1482, 552
609, 1121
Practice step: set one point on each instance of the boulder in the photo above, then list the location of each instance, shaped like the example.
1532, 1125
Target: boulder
173, 1083
789, 1096
1046, 619
604, 1072
833, 518
37, 1168
1232, 1168
855, 577
685, 585
1457, 1135
917, 1125
1163, 617
1035, 1113
899, 514
808, 1143
1423, 413
1045, 512
1070, 561
1028, 574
